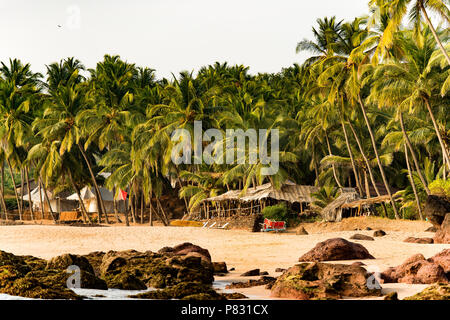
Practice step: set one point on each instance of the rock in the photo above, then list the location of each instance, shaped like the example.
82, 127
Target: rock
368, 228
301, 231
280, 270
95, 259
379, 233
265, 280
432, 229
443, 234
415, 270
358, 263
358, 236
336, 249
88, 278
121, 269
391, 296
250, 273
442, 259
264, 273
437, 291
219, 267
419, 240
436, 208
185, 291
187, 247
232, 269
111, 261
124, 281
62, 262
234, 296
318, 280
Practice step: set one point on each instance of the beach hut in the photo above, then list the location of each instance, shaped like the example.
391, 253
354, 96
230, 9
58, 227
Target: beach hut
90, 201
334, 210
254, 200
58, 202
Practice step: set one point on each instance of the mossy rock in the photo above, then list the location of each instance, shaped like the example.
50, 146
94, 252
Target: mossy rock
181, 291
437, 291
48, 284
124, 281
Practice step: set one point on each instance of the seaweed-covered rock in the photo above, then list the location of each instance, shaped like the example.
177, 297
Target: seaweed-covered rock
95, 259
234, 296
191, 290
437, 291
124, 281
219, 267
264, 280
317, 280
154, 269
336, 249
391, 296
358, 236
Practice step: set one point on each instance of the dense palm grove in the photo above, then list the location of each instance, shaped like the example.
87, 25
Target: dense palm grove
370, 106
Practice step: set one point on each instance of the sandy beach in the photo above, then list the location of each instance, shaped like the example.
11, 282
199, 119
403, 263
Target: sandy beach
240, 249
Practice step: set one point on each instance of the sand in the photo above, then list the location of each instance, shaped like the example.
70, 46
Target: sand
240, 249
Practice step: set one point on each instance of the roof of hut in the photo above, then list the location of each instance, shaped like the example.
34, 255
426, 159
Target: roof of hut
331, 212
289, 191
366, 202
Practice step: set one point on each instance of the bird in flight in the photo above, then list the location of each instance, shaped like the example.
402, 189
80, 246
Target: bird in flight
59, 26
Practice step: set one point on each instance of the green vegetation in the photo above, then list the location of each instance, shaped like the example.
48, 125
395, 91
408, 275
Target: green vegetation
277, 212
369, 106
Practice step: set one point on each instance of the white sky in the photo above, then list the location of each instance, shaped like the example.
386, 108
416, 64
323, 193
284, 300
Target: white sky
166, 35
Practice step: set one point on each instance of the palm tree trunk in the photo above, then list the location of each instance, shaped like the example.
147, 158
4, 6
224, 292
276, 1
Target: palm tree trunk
83, 208
98, 197
413, 154
151, 209
436, 37
41, 202
332, 166
14, 187
355, 172
366, 180
164, 216
116, 214
142, 208
21, 190
436, 128
366, 160
48, 201
29, 193
2, 191
380, 165
413, 185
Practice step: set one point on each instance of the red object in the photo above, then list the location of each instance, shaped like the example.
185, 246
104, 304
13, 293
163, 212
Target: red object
270, 225
122, 195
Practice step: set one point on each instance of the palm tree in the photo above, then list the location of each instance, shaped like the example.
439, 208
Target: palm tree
397, 9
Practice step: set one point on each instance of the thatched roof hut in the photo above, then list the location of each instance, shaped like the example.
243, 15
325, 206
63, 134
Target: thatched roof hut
289, 192
333, 211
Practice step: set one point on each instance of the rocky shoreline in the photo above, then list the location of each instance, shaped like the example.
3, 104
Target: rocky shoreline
187, 272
